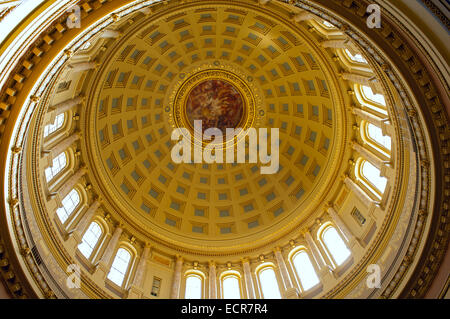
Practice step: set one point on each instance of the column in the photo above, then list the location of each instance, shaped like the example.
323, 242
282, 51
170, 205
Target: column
348, 235
81, 227
290, 292
62, 107
363, 80
67, 104
136, 290
324, 269
59, 194
248, 279
103, 265
83, 66
303, 16
176, 283
366, 199
69, 184
212, 280
111, 34
371, 157
62, 146
369, 117
335, 44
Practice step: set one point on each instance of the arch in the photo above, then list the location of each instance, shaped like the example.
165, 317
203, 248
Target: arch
69, 204
370, 176
304, 269
91, 239
231, 284
120, 267
374, 137
59, 163
194, 285
334, 244
367, 98
57, 125
268, 282
355, 58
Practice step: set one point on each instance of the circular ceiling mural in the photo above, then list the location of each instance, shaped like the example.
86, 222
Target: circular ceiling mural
216, 103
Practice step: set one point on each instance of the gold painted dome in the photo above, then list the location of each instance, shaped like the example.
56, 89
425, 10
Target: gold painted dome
166, 71
96, 102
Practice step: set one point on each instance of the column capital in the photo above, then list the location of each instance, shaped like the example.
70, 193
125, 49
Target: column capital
179, 258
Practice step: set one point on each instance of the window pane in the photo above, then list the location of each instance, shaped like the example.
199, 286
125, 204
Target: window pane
377, 98
335, 245
51, 128
305, 270
357, 57
119, 266
372, 174
58, 164
269, 285
90, 239
231, 288
376, 134
193, 287
69, 203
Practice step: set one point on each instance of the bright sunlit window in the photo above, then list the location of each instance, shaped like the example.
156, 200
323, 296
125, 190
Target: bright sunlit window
369, 95
69, 203
90, 239
193, 287
119, 266
372, 175
305, 270
269, 285
57, 124
231, 288
335, 245
58, 164
376, 135
328, 24
356, 57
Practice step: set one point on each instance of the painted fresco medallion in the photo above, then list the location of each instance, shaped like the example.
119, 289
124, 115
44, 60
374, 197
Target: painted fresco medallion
217, 103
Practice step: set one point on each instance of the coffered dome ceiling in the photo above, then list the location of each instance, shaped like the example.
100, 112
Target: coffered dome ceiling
273, 74
86, 121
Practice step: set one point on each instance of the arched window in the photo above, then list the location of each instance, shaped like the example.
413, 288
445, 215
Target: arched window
69, 203
375, 135
355, 57
328, 25
57, 124
231, 288
194, 287
90, 239
370, 100
119, 266
369, 95
305, 270
58, 164
372, 175
335, 245
269, 284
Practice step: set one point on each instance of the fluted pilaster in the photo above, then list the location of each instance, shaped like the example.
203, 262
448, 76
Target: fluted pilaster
176, 282
83, 66
62, 145
248, 279
212, 280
